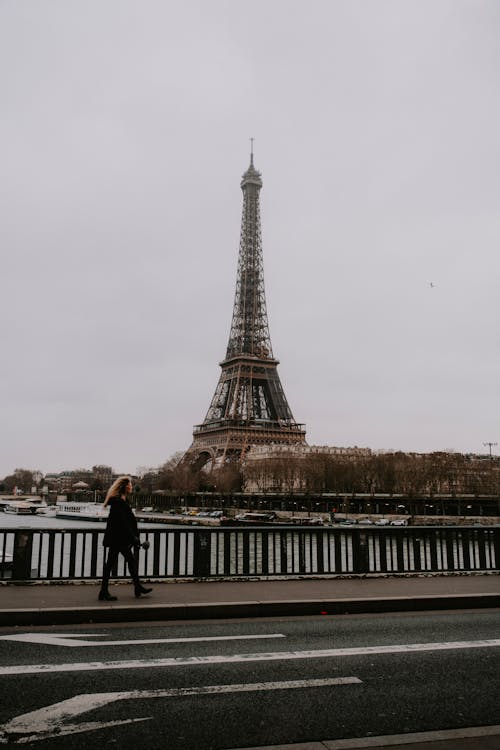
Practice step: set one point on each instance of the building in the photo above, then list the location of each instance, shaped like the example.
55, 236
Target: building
290, 468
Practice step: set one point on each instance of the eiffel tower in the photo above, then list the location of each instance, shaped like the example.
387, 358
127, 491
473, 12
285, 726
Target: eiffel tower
249, 406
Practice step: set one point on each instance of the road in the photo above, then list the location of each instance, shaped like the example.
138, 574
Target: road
237, 684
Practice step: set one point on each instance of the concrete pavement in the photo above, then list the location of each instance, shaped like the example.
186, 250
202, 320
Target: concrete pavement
467, 738
77, 602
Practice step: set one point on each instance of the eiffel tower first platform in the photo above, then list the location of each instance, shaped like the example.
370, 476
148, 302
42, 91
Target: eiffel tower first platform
249, 406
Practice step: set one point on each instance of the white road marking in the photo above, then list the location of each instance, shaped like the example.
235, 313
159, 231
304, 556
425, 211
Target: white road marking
73, 639
49, 721
191, 661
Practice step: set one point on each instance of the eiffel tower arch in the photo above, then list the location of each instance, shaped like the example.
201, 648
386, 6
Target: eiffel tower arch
249, 406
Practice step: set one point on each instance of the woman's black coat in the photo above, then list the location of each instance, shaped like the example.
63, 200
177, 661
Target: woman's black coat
121, 528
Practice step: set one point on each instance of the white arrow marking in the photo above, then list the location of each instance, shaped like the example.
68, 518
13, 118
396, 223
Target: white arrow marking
59, 731
73, 639
48, 721
192, 661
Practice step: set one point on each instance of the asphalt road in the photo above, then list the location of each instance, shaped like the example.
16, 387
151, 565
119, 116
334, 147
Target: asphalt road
237, 684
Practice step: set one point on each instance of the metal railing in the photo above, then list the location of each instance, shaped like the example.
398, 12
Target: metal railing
37, 555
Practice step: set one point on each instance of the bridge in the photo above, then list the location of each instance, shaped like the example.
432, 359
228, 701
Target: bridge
270, 551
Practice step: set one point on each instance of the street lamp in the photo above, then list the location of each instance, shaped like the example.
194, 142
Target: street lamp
492, 489
490, 445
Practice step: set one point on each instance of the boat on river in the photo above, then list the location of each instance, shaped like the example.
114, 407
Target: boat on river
270, 518
299, 521
250, 519
82, 511
20, 508
46, 510
21, 505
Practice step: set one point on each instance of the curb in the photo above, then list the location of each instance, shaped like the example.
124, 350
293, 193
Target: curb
473, 737
249, 609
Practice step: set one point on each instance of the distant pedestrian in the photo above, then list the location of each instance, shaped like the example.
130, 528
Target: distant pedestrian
121, 537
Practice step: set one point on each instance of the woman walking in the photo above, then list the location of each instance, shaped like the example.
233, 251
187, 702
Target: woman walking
121, 537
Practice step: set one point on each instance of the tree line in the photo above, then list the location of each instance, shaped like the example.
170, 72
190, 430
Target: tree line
409, 474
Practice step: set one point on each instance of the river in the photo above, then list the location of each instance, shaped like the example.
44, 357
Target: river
10, 521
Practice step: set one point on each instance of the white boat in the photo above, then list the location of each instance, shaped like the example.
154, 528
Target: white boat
20, 508
82, 511
46, 510
251, 518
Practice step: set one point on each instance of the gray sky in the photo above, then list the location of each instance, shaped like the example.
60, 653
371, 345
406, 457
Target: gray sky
124, 132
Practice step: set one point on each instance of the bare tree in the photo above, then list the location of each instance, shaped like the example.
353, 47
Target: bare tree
22, 479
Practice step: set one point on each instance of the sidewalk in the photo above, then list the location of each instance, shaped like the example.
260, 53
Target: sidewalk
468, 738
59, 603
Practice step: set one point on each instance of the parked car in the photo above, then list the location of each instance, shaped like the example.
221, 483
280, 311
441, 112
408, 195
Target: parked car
347, 522
366, 522
382, 522
399, 522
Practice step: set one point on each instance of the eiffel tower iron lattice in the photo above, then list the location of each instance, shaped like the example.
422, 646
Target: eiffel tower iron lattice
249, 406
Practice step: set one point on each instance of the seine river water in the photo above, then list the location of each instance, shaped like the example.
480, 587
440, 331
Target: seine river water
10, 521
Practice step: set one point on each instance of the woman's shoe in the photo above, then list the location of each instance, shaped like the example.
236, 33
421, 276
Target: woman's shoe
141, 590
105, 596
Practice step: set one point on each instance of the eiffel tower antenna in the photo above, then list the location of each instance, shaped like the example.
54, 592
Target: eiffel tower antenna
249, 406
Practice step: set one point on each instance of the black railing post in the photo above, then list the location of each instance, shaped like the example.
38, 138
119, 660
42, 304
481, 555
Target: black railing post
360, 551
382, 542
496, 542
21, 558
202, 551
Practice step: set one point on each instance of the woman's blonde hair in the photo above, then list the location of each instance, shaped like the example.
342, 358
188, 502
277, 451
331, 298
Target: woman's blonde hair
117, 489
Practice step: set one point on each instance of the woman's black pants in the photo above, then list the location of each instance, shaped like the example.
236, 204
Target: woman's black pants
112, 559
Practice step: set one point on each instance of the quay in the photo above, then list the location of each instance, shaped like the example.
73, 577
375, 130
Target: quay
176, 519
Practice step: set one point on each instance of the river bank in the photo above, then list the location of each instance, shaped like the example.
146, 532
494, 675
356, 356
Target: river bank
10, 522
155, 519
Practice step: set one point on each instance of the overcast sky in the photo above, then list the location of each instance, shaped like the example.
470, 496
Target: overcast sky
124, 132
